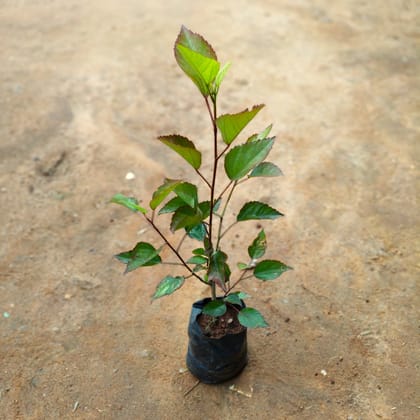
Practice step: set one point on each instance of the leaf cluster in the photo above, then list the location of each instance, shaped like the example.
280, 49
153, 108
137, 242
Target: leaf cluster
204, 220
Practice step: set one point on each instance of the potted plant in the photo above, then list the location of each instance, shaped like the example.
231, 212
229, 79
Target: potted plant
217, 348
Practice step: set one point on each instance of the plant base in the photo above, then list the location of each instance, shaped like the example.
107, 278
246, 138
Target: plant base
214, 360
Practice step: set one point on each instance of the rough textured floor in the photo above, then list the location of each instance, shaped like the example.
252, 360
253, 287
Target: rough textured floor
85, 88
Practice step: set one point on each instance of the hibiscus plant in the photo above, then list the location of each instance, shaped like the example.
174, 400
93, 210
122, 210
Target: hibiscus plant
203, 220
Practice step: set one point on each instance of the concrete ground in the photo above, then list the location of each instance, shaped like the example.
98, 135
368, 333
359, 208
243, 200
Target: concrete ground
85, 89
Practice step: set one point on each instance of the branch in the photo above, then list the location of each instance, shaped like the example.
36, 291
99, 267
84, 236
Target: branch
180, 242
173, 249
223, 152
242, 277
203, 178
213, 117
171, 263
224, 190
244, 180
222, 215
227, 229
191, 388
213, 182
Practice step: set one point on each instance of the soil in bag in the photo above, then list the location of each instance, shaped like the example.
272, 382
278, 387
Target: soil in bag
213, 357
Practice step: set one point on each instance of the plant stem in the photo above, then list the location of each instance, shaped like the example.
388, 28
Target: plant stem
222, 215
241, 181
171, 263
224, 190
236, 282
174, 250
234, 307
223, 151
213, 290
213, 116
203, 178
181, 242
227, 229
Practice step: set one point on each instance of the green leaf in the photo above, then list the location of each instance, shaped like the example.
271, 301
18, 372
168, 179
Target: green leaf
199, 267
163, 191
207, 245
251, 318
168, 285
188, 193
199, 251
204, 206
184, 147
195, 42
197, 231
142, 255
241, 159
254, 210
230, 125
197, 259
172, 205
219, 271
266, 169
217, 205
242, 266
129, 202
199, 68
220, 76
270, 269
185, 216
235, 297
215, 308
261, 135
257, 248
232, 298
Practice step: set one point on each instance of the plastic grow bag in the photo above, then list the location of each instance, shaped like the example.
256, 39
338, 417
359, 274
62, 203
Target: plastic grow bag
214, 360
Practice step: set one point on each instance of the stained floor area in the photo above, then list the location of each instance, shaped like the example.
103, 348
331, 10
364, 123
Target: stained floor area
87, 86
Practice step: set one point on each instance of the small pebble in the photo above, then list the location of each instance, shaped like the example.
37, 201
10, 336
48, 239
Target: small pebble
6, 314
129, 176
145, 353
323, 372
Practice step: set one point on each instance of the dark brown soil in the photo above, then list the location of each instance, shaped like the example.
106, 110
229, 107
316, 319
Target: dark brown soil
222, 325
